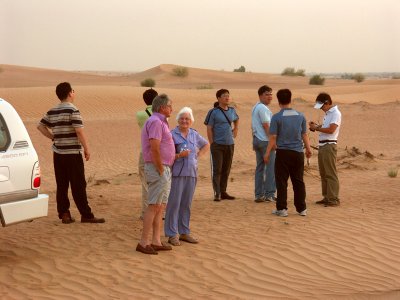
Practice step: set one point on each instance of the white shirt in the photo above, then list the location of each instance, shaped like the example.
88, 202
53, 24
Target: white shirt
332, 116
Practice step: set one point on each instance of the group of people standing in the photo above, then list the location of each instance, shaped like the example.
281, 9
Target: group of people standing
168, 159
281, 141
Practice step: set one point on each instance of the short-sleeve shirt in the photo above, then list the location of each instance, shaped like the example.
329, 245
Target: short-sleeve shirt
62, 120
289, 126
260, 115
142, 116
156, 127
187, 166
218, 118
332, 116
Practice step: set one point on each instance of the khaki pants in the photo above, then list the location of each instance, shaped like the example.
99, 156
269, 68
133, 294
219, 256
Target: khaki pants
144, 183
327, 169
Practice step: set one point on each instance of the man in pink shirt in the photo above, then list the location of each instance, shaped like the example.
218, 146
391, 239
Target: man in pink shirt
158, 150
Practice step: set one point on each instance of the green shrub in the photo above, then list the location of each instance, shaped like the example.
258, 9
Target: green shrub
180, 72
317, 80
288, 72
392, 172
358, 77
347, 76
148, 82
293, 72
241, 69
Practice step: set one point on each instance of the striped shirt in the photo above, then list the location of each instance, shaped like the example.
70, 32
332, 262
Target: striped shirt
62, 120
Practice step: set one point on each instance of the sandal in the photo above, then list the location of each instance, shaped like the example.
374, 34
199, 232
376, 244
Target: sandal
188, 238
174, 240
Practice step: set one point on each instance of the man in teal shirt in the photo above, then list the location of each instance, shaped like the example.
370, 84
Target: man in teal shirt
141, 117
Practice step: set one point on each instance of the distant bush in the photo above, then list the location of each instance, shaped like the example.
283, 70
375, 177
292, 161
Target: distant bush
180, 71
393, 172
205, 87
347, 76
317, 80
358, 77
396, 76
293, 72
241, 69
301, 72
288, 72
148, 82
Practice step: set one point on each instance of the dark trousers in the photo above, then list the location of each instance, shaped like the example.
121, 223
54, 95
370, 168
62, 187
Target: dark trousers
221, 160
69, 168
290, 163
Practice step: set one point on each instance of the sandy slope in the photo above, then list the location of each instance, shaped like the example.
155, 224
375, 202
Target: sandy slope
349, 252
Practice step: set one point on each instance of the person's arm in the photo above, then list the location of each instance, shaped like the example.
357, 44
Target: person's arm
329, 130
203, 150
156, 155
235, 128
82, 138
45, 131
210, 134
306, 142
271, 145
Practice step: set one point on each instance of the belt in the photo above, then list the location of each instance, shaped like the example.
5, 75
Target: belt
328, 141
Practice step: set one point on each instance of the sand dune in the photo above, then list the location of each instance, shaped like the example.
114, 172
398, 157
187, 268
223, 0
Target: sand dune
348, 252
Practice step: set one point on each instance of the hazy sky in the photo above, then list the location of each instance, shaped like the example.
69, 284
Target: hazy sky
262, 35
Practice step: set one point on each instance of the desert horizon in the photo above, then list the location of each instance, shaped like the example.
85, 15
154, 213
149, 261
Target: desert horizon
245, 252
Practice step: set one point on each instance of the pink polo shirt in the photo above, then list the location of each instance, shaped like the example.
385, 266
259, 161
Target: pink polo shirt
156, 127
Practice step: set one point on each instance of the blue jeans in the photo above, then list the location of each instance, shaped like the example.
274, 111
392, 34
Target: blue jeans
264, 174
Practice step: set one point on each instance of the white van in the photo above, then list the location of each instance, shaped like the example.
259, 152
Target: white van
19, 171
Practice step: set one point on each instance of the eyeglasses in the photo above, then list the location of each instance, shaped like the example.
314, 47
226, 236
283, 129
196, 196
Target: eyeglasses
268, 94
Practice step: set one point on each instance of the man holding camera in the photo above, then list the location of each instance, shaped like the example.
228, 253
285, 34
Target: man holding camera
327, 150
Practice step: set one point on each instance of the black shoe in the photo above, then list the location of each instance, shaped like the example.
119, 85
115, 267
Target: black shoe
92, 220
225, 196
323, 201
67, 219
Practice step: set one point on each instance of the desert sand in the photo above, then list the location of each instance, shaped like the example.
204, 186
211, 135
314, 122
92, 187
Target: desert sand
245, 252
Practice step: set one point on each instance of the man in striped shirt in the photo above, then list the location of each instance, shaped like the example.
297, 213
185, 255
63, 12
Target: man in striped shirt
63, 125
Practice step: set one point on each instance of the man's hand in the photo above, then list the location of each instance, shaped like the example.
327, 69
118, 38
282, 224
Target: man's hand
266, 158
308, 152
87, 154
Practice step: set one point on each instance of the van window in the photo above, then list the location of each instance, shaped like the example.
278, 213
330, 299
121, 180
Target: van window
4, 135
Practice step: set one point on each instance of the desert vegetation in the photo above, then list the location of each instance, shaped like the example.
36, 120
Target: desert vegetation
148, 82
240, 69
358, 77
180, 72
293, 72
317, 80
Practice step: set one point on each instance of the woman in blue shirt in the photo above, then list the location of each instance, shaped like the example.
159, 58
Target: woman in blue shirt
189, 145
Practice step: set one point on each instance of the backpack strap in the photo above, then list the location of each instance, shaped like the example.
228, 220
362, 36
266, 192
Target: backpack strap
229, 121
148, 112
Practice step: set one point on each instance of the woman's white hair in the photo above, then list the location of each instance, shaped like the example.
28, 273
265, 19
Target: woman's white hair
185, 110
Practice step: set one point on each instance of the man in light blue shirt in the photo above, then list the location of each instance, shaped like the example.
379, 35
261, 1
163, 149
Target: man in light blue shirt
264, 186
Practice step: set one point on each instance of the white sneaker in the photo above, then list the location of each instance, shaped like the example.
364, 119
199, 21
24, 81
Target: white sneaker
270, 199
303, 213
280, 213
